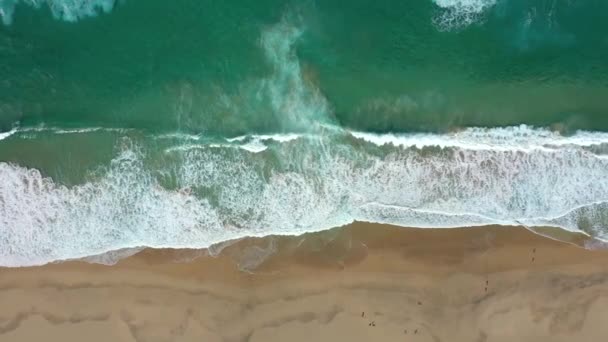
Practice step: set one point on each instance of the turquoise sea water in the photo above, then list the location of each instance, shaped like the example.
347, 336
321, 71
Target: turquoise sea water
186, 123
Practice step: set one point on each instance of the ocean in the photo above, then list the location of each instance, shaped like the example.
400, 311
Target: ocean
188, 123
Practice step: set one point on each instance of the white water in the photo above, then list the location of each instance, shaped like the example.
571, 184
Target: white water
68, 10
257, 143
516, 138
319, 184
460, 13
4, 135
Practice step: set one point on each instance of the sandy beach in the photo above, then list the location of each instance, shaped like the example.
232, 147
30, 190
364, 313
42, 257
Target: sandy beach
363, 282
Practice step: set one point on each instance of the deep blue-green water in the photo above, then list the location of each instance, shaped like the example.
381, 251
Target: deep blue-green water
191, 122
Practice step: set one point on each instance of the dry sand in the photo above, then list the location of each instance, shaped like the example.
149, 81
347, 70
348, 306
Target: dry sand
361, 283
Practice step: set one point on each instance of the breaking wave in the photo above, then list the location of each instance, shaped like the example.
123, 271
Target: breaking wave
456, 14
297, 184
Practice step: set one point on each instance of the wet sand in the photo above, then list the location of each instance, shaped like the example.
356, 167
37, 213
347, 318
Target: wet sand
364, 282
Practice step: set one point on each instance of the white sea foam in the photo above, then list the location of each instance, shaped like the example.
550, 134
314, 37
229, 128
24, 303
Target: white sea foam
4, 135
59, 130
77, 130
460, 13
177, 135
254, 146
41, 221
253, 143
257, 143
31, 132
261, 137
522, 138
68, 10
318, 184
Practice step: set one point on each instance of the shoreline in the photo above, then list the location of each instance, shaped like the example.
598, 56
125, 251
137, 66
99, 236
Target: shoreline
501, 283
183, 203
112, 257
